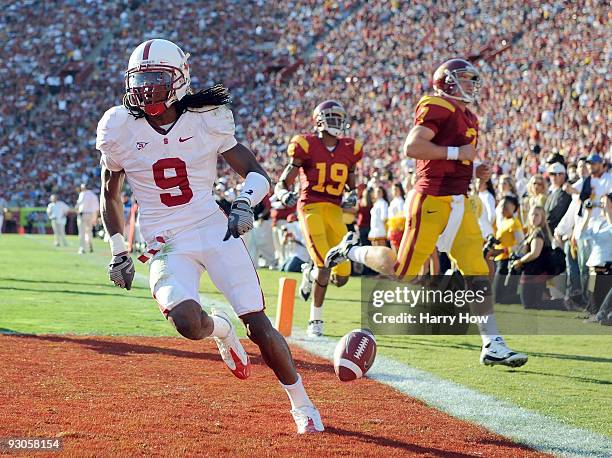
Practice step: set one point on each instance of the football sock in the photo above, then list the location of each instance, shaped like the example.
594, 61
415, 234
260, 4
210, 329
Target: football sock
358, 254
297, 394
313, 273
221, 327
488, 330
316, 313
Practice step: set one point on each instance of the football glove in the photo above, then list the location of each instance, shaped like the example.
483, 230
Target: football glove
288, 198
121, 271
240, 219
349, 200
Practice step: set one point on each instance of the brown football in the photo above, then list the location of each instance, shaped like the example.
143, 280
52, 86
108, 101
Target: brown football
354, 354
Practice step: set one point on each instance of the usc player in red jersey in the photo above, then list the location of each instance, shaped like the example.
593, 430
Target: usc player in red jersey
443, 141
325, 163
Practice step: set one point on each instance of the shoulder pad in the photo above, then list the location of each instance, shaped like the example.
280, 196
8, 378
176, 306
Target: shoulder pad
113, 117
357, 147
302, 141
429, 100
219, 120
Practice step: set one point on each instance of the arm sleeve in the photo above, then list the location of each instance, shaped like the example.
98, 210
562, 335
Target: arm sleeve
357, 151
220, 124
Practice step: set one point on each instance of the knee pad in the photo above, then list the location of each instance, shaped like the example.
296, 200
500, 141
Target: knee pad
339, 280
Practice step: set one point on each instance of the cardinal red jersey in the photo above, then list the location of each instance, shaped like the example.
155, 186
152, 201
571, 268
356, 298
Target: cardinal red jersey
452, 127
323, 173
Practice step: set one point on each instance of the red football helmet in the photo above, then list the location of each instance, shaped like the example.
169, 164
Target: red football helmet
457, 79
331, 117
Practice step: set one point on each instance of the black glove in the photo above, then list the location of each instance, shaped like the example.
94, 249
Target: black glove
349, 200
121, 271
240, 219
289, 198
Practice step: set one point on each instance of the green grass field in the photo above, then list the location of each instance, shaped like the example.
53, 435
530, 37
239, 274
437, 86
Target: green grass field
53, 290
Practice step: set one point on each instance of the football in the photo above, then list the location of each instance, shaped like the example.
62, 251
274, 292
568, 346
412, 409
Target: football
354, 354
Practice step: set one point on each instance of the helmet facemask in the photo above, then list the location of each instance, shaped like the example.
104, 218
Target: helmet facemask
332, 120
153, 88
466, 82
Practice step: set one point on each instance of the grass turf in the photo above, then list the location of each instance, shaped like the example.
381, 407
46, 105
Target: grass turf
53, 290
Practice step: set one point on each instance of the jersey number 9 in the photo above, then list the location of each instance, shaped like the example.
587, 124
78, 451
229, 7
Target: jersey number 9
179, 180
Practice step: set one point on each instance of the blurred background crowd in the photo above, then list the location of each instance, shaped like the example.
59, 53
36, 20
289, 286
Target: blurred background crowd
545, 99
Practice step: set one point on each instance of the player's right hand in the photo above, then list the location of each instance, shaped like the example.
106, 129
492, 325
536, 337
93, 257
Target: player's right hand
240, 219
467, 153
121, 270
288, 198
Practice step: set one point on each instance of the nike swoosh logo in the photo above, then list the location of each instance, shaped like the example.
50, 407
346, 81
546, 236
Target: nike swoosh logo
432, 211
181, 140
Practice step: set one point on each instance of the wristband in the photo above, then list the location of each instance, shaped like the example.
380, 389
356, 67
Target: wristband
452, 153
255, 188
117, 244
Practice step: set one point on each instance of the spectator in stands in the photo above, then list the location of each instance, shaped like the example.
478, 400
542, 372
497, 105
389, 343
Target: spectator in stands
597, 232
87, 213
486, 194
378, 217
57, 211
533, 264
397, 216
3, 210
295, 246
510, 235
556, 207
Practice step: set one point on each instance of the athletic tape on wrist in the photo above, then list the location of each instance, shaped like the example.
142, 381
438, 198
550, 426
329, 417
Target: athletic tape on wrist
255, 188
117, 244
452, 153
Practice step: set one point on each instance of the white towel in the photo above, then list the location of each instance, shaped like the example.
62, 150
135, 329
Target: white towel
446, 239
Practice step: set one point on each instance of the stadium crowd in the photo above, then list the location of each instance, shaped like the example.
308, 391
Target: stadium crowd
545, 97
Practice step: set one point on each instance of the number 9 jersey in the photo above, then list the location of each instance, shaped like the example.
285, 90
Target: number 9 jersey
171, 173
323, 173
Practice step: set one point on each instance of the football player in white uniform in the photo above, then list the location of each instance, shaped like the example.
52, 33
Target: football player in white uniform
165, 140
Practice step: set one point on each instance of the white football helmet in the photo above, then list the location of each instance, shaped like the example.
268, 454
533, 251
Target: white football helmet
157, 76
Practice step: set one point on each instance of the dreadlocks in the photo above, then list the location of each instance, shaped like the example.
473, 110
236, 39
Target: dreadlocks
213, 96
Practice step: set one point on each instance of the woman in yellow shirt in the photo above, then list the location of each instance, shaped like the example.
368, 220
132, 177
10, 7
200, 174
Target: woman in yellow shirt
509, 233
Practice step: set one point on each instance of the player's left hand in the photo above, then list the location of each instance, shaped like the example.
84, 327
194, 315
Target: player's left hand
483, 171
240, 220
349, 200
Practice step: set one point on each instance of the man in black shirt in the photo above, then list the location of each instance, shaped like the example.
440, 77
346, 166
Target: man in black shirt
556, 206
558, 201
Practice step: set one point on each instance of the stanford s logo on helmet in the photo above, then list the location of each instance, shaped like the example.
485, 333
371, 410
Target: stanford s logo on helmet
457, 79
331, 117
157, 76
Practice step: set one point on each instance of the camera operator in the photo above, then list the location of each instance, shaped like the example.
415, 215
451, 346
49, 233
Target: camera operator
597, 184
293, 241
534, 264
597, 231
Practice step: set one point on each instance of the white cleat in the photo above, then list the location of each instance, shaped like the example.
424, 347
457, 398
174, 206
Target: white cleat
338, 254
496, 352
306, 285
315, 328
231, 350
307, 420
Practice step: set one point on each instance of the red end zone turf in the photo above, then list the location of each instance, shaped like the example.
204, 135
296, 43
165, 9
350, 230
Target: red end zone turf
166, 396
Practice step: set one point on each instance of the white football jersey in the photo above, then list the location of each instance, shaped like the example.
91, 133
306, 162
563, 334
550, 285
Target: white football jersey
171, 174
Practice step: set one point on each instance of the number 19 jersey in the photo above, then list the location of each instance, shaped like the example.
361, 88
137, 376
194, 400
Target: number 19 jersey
323, 173
171, 174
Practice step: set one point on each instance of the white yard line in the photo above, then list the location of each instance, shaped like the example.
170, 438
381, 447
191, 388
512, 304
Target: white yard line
521, 425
